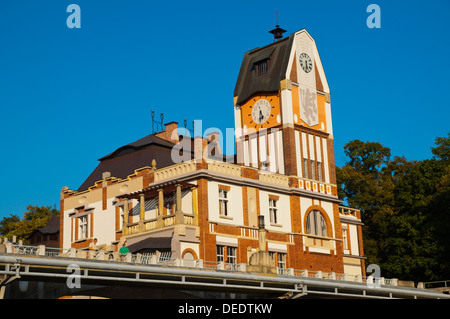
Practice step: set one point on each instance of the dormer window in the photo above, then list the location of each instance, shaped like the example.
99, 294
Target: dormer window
261, 67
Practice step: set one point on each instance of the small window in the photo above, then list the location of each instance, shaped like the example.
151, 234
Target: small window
282, 260
279, 259
231, 255
305, 168
315, 224
313, 169
121, 217
220, 253
344, 237
319, 171
223, 202
261, 67
82, 227
273, 210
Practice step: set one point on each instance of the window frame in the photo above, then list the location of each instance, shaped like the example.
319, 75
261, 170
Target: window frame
220, 253
224, 209
82, 227
316, 224
273, 210
345, 237
231, 257
261, 67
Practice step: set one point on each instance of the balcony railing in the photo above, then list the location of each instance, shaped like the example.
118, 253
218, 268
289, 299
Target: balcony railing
159, 222
348, 211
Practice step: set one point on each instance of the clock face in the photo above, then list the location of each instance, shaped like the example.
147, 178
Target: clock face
261, 111
305, 62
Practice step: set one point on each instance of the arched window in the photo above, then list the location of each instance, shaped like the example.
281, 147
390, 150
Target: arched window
315, 224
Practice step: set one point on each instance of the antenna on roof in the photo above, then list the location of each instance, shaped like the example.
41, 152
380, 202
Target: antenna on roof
277, 32
159, 124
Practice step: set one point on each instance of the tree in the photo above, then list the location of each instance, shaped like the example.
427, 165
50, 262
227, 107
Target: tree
404, 207
34, 217
442, 150
8, 225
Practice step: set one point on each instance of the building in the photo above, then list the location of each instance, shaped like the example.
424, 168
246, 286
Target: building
47, 235
208, 206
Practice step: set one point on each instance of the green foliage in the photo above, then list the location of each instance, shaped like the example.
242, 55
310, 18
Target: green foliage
34, 217
404, 206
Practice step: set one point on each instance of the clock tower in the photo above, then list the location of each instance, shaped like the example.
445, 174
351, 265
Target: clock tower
282, 110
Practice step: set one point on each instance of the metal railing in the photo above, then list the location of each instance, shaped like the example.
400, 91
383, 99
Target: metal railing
165, 259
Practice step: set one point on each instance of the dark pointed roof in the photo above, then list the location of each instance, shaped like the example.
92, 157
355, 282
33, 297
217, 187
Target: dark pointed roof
132, 147
52, 226
126, 159
249, 83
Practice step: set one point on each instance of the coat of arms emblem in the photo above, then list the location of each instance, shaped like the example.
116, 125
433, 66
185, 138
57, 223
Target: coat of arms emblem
308, 107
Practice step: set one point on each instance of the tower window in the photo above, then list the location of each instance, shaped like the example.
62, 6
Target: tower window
261, 67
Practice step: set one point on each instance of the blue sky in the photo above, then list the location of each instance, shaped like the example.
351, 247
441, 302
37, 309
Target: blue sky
71, 96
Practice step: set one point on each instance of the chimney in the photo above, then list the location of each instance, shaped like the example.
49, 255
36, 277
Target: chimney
213, 143
170, 132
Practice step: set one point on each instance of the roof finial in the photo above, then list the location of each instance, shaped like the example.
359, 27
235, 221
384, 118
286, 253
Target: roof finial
277, 32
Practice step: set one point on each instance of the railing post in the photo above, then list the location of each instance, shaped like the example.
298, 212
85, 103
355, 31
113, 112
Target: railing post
72, 253
199, 263
100, 255
138, 259
9, 247
41, 250
242, 267
304, 273
318, 274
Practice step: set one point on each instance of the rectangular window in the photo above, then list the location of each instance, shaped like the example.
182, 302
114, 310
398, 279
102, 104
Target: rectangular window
261, 67
231, 255
220, 253
82, 227
223, 202
121, 217
344, 237
282, 260
273, 211
279, 259
319, 171
313, 169
305, 168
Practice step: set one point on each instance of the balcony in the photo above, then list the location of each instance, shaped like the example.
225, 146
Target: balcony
160, 222
164, 217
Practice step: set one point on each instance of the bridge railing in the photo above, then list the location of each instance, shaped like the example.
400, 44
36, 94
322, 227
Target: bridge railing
164, 260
